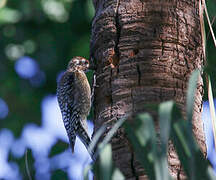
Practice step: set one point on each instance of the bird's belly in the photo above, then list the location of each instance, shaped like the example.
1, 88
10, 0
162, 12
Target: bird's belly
84, 94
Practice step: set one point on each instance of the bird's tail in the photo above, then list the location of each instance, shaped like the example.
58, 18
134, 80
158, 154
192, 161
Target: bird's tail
86, 140
72, 140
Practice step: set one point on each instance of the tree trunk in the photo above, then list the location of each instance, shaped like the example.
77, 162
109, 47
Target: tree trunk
144, 52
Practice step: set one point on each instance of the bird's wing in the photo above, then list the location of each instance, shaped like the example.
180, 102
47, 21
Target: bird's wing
65, 91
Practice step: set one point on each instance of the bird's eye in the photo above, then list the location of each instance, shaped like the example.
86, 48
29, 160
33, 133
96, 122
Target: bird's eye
83, 61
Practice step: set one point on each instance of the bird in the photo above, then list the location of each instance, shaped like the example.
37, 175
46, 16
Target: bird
74, 99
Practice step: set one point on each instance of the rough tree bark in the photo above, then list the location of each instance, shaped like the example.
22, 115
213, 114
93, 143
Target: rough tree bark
144, 52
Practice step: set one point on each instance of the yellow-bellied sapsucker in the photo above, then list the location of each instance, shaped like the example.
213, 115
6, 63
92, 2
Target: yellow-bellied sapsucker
74, 98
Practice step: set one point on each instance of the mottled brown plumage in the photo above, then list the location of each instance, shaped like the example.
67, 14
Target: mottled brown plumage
74, 98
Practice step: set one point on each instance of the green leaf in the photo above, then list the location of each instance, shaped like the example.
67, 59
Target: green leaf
192, 87
180, 130
179, 136
143, 138
104, 168
165, 116
211, 173
145, 130
95, 139
117, 175
105, 160
191, 157
86, 171
161, 168
58, 174
58, 148
110, 134
160, 164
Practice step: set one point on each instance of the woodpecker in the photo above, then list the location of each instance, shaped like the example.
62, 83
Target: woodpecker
74, 98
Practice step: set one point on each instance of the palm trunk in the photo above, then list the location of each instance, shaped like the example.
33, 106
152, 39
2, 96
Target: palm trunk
144, 52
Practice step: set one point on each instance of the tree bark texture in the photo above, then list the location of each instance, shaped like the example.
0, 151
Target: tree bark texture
144, 52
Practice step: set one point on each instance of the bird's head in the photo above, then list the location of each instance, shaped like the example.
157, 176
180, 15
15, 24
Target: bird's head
78, 63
